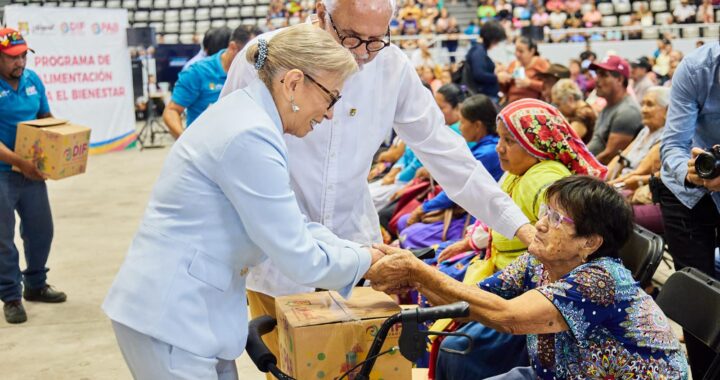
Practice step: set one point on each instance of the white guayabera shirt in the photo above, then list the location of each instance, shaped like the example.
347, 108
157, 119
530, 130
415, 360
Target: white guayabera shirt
328, 167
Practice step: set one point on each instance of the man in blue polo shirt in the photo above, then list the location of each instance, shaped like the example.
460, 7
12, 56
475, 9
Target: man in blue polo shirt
22, 98
199, 86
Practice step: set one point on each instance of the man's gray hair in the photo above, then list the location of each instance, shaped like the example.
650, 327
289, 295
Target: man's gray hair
662, 95
331, 4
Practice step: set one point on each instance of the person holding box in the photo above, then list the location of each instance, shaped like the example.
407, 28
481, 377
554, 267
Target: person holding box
22, 98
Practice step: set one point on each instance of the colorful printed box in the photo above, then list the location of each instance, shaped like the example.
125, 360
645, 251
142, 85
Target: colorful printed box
323, 335
58, 148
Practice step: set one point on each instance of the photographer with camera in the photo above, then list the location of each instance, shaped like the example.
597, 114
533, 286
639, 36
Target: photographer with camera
690, 199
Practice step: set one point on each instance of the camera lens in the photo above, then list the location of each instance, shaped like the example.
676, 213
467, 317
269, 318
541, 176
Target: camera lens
707, 166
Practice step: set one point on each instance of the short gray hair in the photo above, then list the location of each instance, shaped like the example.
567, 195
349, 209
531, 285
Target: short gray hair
331, 4
662, 95
566, 89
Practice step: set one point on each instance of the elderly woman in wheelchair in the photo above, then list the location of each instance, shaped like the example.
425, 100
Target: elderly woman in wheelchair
583, 314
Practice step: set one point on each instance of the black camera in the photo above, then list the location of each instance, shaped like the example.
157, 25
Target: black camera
707, 164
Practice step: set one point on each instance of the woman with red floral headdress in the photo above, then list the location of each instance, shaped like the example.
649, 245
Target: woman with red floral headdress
537, 147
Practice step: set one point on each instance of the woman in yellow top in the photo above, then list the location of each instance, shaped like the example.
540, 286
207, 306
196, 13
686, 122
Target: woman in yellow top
537, 147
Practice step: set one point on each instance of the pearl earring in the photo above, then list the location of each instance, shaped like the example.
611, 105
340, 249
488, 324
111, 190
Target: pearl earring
294, 106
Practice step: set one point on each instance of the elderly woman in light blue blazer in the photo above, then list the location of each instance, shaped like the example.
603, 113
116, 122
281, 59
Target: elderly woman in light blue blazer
222, 204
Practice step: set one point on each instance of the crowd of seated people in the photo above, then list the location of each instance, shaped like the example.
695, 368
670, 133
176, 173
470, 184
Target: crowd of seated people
600, 117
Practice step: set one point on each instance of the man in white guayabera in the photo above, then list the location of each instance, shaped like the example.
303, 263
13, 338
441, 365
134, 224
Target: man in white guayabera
328, 169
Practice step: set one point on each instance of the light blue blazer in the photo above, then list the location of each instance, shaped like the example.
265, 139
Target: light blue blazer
222, 204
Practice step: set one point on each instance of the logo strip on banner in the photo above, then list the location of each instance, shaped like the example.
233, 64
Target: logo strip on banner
82, 58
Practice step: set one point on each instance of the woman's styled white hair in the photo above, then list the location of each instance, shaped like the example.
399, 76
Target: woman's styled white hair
662, 94
331, 4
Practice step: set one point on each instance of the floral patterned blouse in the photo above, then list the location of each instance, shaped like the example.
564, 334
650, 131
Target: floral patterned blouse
616, 330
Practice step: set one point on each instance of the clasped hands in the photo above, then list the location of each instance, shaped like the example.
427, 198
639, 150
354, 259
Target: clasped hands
393, 270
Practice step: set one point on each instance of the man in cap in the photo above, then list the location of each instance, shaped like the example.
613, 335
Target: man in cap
620, 120
22, 98
549, 77
641, 80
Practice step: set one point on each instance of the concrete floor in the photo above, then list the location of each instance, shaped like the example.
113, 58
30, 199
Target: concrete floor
95, 215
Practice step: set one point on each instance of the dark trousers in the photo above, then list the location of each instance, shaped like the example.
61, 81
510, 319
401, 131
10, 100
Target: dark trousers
691, 236
30, 200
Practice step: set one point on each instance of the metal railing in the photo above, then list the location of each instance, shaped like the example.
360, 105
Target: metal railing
621, 33
674, 30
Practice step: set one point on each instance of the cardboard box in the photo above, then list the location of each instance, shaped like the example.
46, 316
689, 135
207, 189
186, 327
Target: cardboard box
58, 148
322, 335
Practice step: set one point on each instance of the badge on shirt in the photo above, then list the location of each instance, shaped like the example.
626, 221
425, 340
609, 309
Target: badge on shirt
30, 91
353, 111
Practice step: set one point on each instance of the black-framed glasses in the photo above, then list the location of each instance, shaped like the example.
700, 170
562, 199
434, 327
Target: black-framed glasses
333, 97
353, 42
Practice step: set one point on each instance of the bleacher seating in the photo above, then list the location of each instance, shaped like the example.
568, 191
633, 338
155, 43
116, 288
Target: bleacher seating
157, 16
658, 6
663, 18
202, 26
180, 18
247, 11
158, 26
187, 38
170, 38
624, 19
142, 16
202, 14
232, 12
606, 9
213, 13
691, 32
172, 27
609, 21
172, 15
636, 6
622, 8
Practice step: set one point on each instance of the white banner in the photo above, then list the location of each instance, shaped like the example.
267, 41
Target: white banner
81, 55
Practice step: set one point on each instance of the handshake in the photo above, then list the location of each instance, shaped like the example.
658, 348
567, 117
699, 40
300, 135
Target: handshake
394, 270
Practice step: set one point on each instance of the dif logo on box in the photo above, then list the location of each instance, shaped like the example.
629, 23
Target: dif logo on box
76, 152
58, 148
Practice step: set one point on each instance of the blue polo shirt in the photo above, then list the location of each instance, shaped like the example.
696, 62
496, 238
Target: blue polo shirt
26, 103
199, 86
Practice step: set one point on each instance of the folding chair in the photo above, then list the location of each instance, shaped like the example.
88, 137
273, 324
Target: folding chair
692, 299
642, 254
